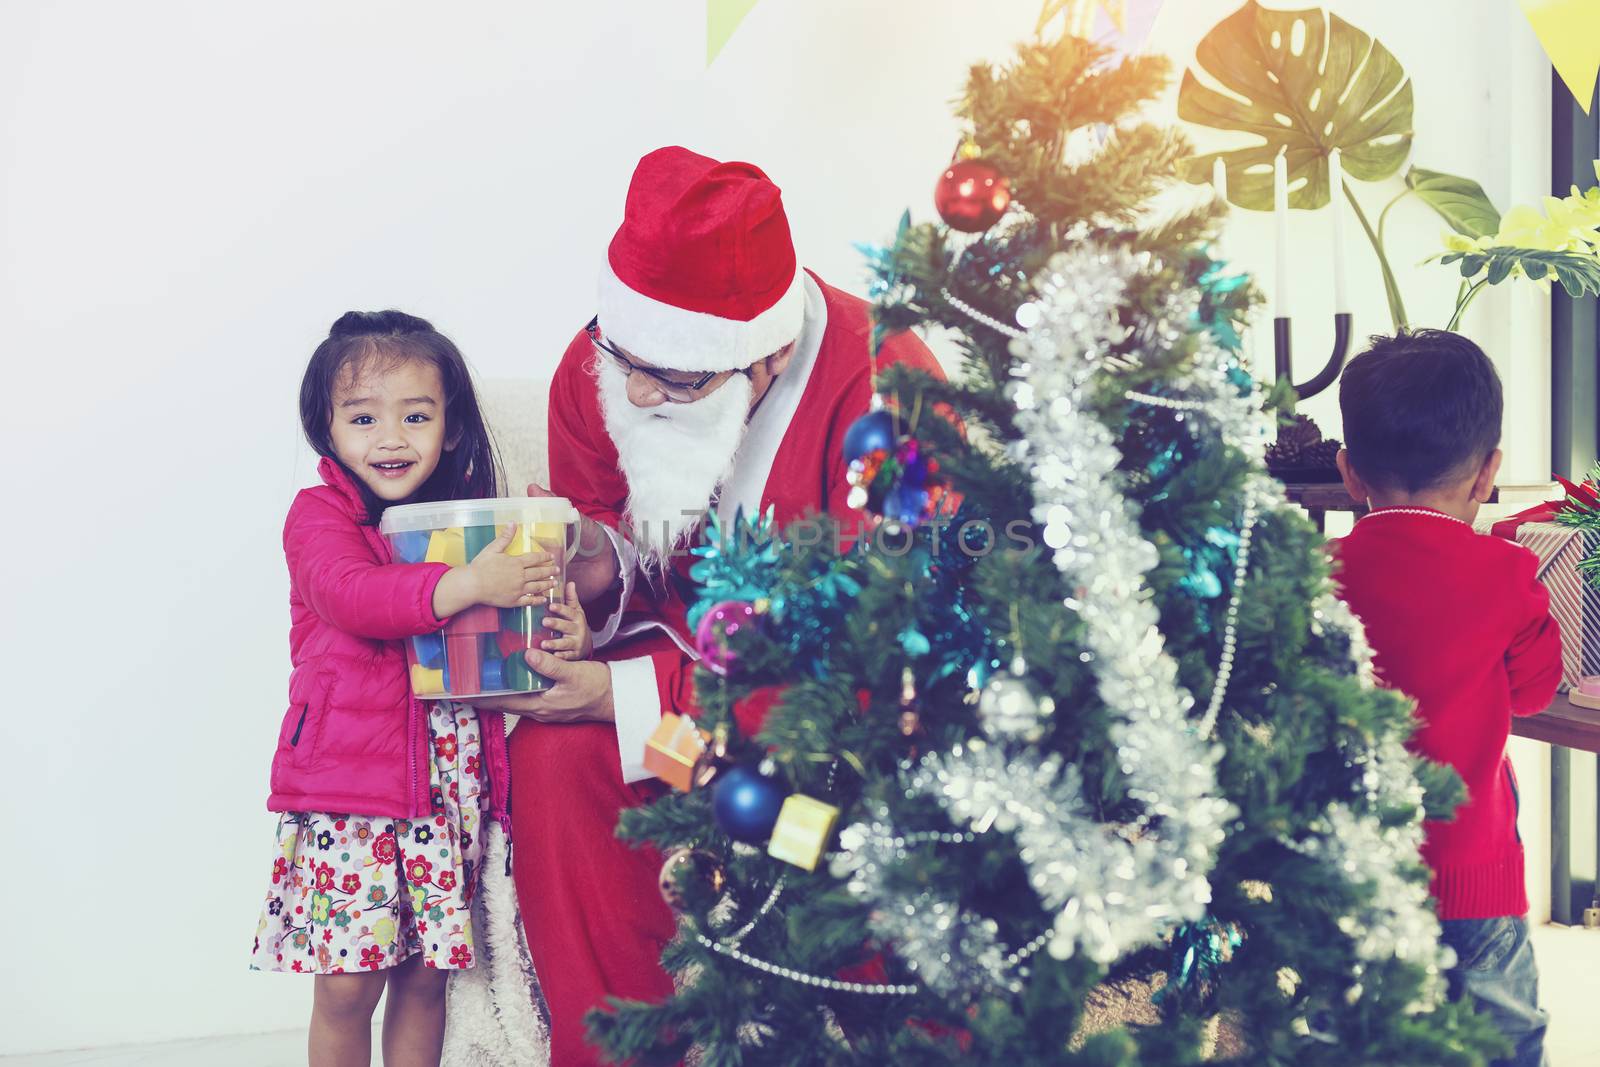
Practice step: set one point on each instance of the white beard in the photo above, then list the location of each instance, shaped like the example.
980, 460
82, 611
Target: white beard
675, 457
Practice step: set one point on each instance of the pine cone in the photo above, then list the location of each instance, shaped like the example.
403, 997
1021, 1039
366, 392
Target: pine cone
1301, 447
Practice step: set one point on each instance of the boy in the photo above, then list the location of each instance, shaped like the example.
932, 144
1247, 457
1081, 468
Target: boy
1459, 623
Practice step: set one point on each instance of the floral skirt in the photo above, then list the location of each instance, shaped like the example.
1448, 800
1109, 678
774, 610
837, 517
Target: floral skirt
354, 892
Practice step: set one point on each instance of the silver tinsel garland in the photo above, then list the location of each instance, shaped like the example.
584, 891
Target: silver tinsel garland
1113, 888
951, 950
1397, 921
1329, 613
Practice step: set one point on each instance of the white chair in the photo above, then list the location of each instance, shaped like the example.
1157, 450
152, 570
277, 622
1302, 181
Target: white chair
516, 410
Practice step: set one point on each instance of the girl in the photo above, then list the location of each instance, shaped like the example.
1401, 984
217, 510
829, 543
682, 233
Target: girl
381, 898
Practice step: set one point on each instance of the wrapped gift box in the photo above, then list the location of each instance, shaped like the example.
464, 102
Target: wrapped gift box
1573, 600
671, 751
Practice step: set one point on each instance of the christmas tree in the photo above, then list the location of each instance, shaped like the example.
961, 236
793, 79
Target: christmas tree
1072, 757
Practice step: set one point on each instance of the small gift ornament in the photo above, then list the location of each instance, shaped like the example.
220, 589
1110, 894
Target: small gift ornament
802, 831
673, 749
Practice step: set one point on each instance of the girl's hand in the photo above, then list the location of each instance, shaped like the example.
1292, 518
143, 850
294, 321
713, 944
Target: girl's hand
511, 581
566, 617
496, 579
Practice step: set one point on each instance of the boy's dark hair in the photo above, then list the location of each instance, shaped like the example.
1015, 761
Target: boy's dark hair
1419, 408
470, 468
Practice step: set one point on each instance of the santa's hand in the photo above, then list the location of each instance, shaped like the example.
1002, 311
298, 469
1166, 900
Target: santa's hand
580, 691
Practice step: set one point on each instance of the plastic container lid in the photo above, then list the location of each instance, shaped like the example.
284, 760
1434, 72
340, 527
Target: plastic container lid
440, 514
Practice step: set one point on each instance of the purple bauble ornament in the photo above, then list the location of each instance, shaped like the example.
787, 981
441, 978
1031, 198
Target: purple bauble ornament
712, 638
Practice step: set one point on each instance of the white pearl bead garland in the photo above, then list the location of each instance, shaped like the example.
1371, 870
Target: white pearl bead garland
977, 316
802, 978
743, 932
1230, 630
1163, 401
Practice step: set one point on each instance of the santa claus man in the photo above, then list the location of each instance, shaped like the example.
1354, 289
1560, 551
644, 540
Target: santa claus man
716, 374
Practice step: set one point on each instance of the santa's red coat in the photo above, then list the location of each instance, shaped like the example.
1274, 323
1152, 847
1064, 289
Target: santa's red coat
591, 906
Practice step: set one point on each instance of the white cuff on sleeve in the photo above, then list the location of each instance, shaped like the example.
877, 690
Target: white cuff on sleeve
627, 566
637, 704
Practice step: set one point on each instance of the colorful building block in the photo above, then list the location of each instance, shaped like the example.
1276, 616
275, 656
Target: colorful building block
509, 643
478, 619
520, 679
429, 650
476, 539
425, 682
493, 675
461, 650
410, 546
523, 542
528, 621
447, 546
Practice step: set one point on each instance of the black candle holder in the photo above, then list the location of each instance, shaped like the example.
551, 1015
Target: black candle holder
1283, 357
1301, 455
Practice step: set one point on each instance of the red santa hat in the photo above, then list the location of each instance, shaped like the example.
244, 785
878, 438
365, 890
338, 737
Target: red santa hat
702, 274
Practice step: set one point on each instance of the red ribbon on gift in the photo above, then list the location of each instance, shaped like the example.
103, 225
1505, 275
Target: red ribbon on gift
1581, 497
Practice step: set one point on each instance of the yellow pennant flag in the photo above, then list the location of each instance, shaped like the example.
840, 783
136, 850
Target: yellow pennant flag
1081, 15
722, 18
1569, 30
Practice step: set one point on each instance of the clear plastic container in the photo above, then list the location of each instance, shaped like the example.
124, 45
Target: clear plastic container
480, 650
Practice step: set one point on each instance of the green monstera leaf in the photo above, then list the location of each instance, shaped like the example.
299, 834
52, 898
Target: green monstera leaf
1461, 202
1305, 82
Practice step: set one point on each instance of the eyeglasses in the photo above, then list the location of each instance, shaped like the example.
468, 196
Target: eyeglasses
676, 390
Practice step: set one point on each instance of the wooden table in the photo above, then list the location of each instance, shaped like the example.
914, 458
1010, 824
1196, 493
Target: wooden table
1319, 498
1562, 723
1564, 726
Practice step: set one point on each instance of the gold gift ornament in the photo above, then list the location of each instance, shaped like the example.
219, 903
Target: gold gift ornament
802, 831
672, 750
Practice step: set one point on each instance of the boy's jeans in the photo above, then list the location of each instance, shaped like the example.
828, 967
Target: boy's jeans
1494, 966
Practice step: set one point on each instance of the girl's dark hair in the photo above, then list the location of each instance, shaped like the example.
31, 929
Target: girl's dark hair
470, 468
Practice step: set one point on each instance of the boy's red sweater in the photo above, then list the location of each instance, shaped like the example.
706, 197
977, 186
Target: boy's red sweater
1460, 623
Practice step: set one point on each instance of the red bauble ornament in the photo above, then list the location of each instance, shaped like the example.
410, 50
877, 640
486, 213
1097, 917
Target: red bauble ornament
750, 712
971, 195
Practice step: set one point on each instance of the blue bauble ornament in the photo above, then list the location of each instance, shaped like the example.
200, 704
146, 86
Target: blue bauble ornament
905, 504
746, 804
870, 432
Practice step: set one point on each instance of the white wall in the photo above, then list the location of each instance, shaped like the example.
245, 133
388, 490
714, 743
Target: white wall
192, 191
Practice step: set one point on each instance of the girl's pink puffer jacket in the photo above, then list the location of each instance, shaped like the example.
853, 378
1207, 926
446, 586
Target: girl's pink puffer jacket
354, 738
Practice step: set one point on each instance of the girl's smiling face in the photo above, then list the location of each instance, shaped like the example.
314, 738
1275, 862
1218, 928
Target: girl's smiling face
389, 424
